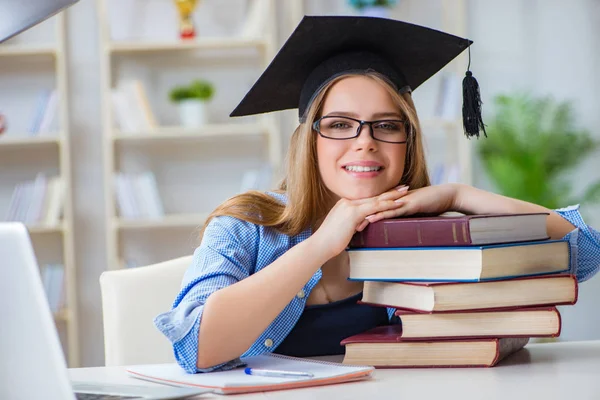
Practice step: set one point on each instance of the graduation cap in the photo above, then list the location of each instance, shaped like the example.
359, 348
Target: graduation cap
322, 48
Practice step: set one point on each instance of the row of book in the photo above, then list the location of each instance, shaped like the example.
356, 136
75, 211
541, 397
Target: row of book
38, 201
137, 195
131, 107
469, 290
53, 279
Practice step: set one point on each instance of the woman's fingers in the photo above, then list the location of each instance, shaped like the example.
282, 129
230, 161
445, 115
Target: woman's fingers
362, 225
402, 208
392, 194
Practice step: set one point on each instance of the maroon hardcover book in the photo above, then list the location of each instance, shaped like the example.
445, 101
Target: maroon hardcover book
464, 230
384, 347
540, 322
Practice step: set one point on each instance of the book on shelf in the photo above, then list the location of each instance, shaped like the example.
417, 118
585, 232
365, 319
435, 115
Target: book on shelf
445, 230
44, 119
559, 289
137, 195
53, 279
473, 263
38, 201
131, 107
520, 322
383, 347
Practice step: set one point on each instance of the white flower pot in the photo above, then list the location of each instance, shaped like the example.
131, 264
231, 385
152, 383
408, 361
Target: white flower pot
375, 11
192, 113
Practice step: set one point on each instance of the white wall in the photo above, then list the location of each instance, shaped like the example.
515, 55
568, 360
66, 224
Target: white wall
549, 46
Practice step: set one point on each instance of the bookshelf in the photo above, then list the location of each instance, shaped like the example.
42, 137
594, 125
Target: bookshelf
444, 139
152, 58
53, 242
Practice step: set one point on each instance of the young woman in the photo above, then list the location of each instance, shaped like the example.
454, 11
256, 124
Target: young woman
271, 272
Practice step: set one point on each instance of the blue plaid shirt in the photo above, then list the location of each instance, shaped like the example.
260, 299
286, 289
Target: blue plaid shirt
232, 250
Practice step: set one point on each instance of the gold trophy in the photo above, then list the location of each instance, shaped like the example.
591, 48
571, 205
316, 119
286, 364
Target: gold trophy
187, 30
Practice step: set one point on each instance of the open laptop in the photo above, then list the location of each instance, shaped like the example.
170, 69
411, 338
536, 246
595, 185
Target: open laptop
32, 365
19, 15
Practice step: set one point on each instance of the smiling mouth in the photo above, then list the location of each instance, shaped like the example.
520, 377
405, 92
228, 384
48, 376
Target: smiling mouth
358, 168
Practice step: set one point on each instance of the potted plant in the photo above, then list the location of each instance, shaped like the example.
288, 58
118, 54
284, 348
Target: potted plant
191, 100
532, 143
373, 8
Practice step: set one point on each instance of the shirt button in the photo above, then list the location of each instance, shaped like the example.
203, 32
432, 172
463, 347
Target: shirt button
300, 294
269, 343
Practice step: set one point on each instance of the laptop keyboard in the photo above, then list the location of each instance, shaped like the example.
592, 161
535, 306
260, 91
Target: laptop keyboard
92, 396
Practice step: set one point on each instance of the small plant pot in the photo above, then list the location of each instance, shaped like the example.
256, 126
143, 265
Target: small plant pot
192, 113
375, 11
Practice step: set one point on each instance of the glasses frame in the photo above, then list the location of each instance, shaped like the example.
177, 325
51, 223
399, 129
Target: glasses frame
316, 127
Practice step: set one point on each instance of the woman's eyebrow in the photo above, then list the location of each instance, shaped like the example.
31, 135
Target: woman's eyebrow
386, 115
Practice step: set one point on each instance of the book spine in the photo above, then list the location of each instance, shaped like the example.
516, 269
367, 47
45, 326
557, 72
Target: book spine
406, 233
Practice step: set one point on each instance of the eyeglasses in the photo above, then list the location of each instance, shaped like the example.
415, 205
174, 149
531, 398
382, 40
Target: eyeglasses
343, 128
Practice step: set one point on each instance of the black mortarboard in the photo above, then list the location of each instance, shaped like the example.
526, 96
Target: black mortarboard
323, 47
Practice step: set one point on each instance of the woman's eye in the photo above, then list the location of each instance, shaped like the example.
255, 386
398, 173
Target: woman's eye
388, 126
339, 125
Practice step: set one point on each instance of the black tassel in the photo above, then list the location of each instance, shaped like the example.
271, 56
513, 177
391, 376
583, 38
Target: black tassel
472, 121
471, 111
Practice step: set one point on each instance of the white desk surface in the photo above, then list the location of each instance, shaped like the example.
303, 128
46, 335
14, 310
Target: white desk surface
540, 371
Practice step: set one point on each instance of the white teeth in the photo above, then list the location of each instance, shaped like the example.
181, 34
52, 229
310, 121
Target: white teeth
358, 168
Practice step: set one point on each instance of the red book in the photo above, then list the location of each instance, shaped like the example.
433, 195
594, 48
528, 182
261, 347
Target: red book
461, 230
560, 289
384, 347
521, 322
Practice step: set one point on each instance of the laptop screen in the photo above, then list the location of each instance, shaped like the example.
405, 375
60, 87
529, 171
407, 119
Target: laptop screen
19, 15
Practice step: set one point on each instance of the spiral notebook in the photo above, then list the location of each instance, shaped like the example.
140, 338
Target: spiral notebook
236, 381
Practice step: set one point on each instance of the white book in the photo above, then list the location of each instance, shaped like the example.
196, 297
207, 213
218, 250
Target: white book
38, 113
49, 118
14, 204
53, 208
126, 199
151, 197
24, 202
130, 91
35, 209
124, 119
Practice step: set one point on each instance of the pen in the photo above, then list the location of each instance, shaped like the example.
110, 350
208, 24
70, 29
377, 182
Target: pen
277, 374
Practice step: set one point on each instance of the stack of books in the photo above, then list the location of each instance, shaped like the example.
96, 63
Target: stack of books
469, 290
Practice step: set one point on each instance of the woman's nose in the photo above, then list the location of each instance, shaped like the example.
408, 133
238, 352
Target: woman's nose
365, 139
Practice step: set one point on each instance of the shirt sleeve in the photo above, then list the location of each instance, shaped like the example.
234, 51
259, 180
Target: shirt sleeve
226, 255
584, 242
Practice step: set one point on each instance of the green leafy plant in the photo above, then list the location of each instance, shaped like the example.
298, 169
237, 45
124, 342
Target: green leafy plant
532, 143
198, 89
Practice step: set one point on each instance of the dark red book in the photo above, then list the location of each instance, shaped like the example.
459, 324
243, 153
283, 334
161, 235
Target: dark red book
463, 230
384, 347
428, 297
520, 322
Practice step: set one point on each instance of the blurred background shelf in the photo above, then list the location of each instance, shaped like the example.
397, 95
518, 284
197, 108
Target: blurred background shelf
16, 142
198, 44
178, 133
8, 50
168, 221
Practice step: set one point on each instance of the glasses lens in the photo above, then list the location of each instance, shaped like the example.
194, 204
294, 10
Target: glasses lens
338, 127
390, 131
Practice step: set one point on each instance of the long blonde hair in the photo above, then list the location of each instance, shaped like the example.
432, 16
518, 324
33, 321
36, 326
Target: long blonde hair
308, 200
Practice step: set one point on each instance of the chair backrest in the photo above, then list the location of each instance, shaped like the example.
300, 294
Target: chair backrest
131, 298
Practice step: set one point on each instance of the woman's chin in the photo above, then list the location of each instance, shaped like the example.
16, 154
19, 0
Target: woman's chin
360, 193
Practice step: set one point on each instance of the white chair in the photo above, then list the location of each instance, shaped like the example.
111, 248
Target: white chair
131, 298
